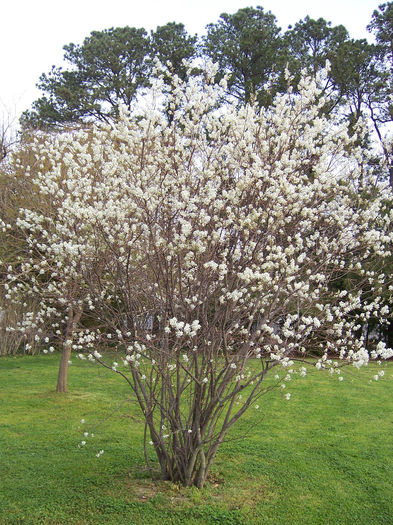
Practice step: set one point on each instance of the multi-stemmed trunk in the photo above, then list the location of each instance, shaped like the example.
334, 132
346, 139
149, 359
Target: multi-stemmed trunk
188, 466
185, 453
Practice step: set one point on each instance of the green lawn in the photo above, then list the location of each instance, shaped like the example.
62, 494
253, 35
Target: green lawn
324, 457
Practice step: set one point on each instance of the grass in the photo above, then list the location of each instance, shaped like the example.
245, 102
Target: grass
325, 457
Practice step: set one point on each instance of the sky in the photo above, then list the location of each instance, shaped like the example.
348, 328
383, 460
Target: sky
33, 32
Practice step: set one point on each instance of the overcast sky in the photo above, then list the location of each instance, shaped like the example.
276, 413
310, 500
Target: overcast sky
33, 32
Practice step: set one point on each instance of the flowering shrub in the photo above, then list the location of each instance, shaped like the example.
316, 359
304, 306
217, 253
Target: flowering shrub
211, 247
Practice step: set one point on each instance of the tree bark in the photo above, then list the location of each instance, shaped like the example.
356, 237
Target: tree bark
66, 354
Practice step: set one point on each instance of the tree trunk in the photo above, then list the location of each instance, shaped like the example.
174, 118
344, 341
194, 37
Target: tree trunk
66, 354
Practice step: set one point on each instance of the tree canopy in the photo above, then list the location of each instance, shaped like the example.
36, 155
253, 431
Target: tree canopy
109, 68
247, 46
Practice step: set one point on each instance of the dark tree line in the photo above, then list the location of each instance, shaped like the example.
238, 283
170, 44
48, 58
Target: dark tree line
110, 68
113, 66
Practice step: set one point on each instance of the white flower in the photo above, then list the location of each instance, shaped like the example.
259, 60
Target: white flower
195, 325
85, 434
83, 443
82, 421
288, 396
205, 380
341, 378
